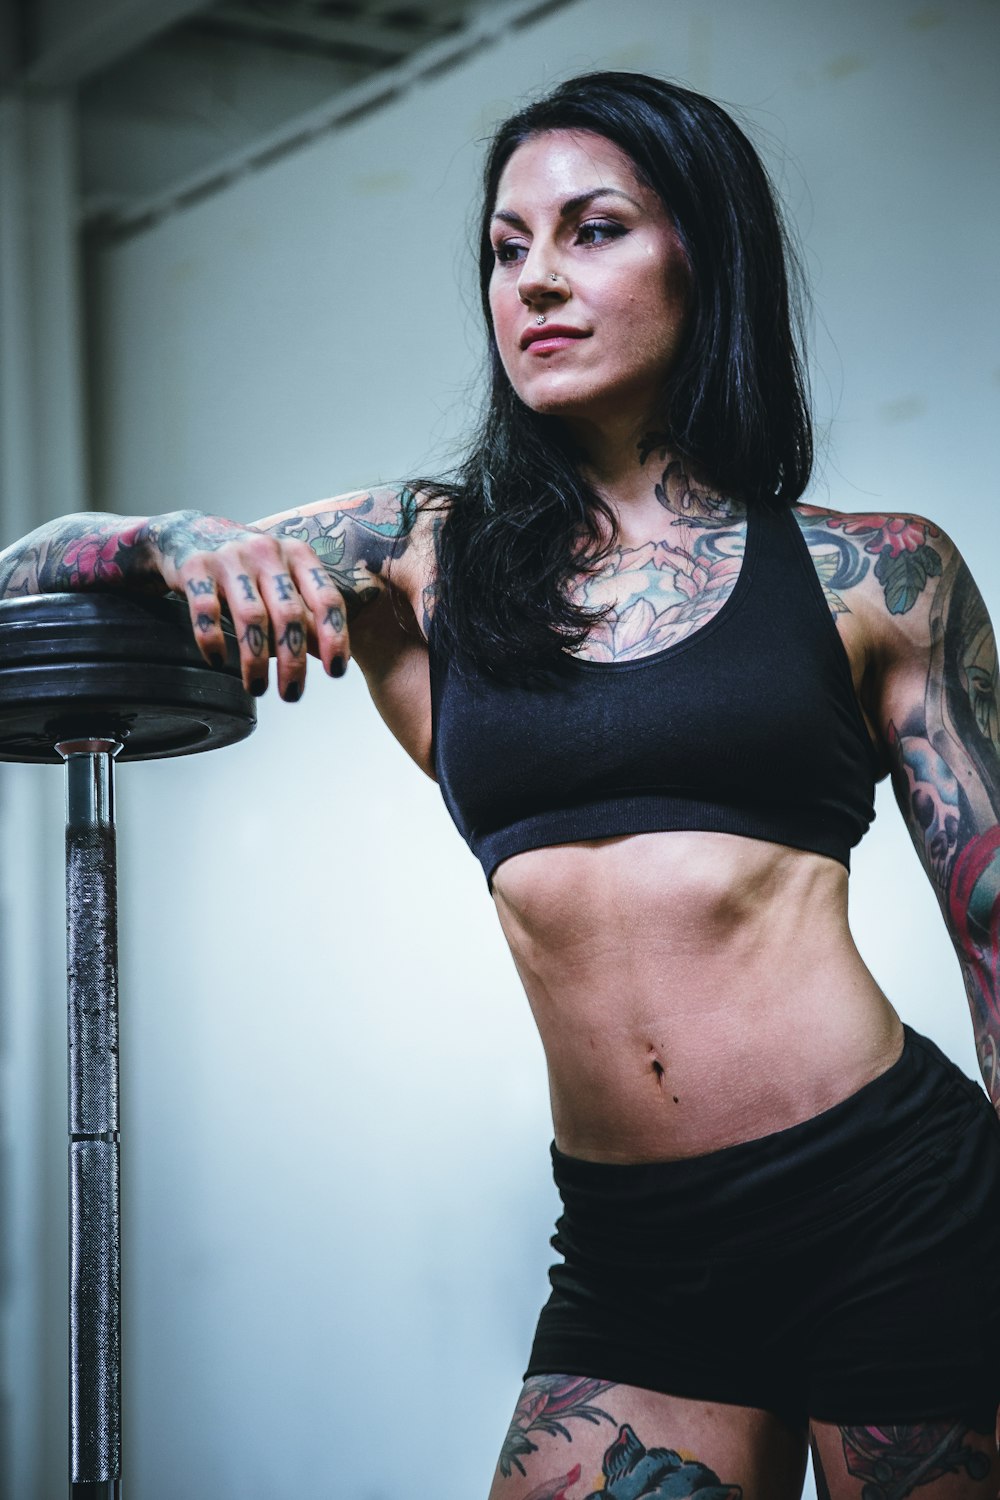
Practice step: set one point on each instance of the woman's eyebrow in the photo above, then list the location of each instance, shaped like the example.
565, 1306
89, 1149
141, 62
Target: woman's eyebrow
570, 207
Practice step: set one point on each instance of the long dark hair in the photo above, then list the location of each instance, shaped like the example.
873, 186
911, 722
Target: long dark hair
520, 521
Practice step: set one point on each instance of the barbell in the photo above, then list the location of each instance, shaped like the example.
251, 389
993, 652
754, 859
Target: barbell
88, 679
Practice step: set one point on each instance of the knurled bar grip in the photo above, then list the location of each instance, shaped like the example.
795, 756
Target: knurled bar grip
94, 1214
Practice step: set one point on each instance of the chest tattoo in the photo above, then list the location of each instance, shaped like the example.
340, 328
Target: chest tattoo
661, 592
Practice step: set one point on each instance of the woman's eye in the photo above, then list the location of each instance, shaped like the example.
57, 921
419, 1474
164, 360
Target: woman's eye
507, 251
599, 231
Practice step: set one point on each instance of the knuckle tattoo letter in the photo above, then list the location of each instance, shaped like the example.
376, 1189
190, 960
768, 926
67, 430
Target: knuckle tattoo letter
248, 588
284, 586
320, 577
201, 586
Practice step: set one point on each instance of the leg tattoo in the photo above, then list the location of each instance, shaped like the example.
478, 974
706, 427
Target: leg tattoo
632, 1472
555, 1489
895, 1461
547, 1403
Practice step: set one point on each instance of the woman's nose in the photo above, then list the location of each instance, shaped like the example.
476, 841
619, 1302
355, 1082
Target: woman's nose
541, 281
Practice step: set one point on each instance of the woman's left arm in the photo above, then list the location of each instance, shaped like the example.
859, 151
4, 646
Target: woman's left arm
938, 715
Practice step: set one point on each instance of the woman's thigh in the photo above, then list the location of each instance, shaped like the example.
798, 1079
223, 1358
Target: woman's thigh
572, 1438
930, 1461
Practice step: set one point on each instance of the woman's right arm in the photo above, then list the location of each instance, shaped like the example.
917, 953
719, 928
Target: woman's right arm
90, 550
288, 587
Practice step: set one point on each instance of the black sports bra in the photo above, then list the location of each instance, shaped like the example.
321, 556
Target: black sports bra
750, 726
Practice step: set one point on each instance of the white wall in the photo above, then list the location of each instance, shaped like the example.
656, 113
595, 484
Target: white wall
336, 1122
42, 474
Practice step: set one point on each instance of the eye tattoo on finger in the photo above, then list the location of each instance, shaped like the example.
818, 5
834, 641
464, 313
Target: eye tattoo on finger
248, 589
294, 638
283, 584
204, 623
201, 585
255, 639
334, 618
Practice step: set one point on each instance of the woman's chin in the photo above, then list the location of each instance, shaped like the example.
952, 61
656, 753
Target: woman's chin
556, 402
591, 404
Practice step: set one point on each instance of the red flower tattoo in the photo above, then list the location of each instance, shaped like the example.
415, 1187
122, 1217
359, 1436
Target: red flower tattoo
94, 557
906, 559
892, 534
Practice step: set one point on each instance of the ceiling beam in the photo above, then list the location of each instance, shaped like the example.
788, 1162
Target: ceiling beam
487, 24
321, 31
439, 11
69, 40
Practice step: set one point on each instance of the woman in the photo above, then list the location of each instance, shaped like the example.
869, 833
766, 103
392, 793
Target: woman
657, 693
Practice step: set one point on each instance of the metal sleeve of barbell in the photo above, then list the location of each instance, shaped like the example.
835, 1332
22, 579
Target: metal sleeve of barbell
94, 1143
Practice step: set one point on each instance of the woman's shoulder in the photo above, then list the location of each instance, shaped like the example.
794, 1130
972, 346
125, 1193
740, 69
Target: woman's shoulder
887, 564
415, 569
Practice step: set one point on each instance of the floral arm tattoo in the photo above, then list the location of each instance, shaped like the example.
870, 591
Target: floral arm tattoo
904, 548
357, 539
945, 755
91, 550
843, 547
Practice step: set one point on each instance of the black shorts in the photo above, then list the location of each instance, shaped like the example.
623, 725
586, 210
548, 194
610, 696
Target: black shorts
846, 1269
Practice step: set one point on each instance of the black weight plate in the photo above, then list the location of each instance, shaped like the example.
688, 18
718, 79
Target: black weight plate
100, 626
86, 664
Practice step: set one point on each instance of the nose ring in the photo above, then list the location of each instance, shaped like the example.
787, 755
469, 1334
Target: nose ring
553, 276
540, 319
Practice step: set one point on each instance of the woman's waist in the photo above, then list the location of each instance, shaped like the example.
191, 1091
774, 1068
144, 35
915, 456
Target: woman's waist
645, 1077
907, 1118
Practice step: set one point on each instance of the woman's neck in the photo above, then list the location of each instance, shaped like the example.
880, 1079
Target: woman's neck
641, 478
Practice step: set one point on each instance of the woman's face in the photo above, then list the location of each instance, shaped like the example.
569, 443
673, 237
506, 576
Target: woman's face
570, 206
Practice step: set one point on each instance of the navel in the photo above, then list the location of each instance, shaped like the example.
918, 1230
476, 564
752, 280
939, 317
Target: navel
658, 1070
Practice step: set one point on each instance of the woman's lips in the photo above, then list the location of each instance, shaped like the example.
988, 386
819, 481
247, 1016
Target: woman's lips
547, 340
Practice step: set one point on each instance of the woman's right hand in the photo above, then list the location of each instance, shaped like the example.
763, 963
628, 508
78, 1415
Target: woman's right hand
282, 600
286, 581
